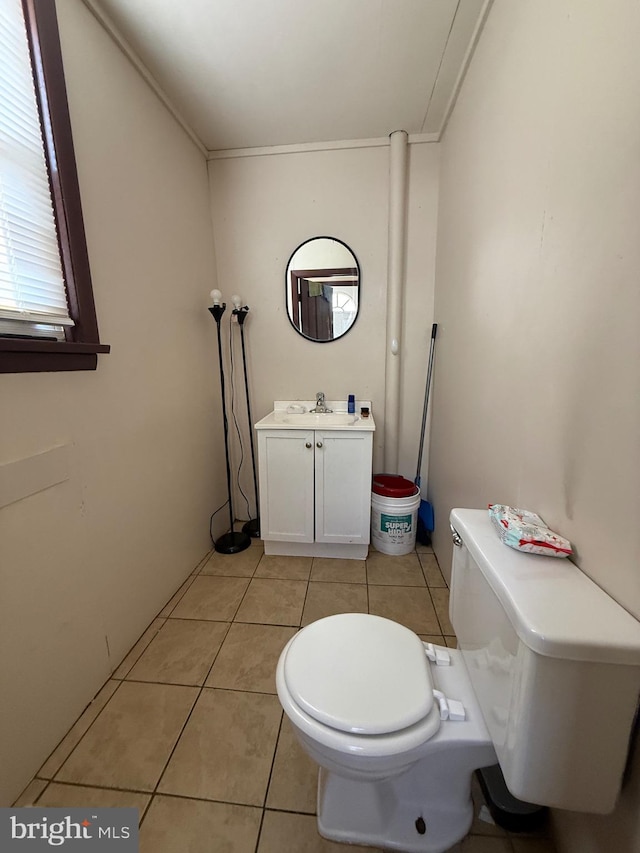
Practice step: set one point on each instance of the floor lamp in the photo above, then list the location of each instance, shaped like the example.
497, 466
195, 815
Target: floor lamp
252, 527
235, 540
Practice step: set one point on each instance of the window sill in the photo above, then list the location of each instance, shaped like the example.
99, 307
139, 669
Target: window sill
37, 356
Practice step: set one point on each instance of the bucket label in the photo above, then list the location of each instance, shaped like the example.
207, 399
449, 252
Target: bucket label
396, 525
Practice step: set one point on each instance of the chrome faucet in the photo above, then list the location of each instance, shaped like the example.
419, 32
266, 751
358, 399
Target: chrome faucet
321, 407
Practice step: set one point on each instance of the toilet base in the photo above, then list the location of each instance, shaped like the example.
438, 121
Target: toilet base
377, 814
421, 811
434, 794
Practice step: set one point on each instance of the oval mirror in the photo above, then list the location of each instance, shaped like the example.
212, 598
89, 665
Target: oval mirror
322, 285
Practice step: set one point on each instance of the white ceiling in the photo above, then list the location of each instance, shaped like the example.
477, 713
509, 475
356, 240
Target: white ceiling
255, 73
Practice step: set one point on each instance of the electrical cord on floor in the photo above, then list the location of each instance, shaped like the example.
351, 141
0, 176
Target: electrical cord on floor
213, 514
233, 413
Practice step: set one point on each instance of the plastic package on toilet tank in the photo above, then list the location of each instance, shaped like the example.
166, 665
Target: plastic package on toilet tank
526, 531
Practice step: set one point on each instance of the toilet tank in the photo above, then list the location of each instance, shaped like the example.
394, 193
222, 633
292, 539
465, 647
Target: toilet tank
554, 662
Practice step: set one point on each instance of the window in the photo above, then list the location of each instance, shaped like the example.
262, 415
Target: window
47, 313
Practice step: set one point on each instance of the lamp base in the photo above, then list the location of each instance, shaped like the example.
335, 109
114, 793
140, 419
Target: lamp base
252, 528
232, 543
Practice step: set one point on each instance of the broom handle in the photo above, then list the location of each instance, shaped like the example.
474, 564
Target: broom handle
434, 329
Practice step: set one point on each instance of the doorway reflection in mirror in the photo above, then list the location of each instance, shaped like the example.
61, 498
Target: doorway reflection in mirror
322, 289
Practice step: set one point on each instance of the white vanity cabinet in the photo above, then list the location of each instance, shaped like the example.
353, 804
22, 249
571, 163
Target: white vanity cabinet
315, 491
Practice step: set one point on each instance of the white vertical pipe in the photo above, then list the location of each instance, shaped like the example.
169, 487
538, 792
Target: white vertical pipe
395, 286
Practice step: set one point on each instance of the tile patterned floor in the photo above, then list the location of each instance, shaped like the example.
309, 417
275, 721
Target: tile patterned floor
189, 729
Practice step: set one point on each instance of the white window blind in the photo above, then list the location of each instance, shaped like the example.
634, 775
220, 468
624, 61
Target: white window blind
32, 290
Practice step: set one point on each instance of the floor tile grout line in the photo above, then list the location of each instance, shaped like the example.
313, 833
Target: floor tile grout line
190, 577
293, 580
235, 622
182, 683
290, 811
366, 578
258, 836
304, 602
198, 619
124, 790
189, 715
273, 760
175, 745
217, 654
202, 562
306, 580
172, 619
89, 727
185, 583
435, 611
142, 651
202, 687
144, 814
170, 794
251, 579
247, 578
424, 574
121, 789
37, 799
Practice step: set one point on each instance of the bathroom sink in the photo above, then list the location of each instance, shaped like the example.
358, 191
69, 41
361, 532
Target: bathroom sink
317, 419
297, 414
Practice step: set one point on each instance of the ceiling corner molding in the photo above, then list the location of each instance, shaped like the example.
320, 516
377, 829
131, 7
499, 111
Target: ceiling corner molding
422, 138
466, 28
297, 148
107, 24
309, 147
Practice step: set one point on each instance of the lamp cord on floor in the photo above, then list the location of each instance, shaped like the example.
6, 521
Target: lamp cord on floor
233, 413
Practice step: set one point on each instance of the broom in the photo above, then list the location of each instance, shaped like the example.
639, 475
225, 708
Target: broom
425, 513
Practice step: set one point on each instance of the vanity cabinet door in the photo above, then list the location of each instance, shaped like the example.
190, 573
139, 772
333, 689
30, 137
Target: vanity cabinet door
343, 486
286, 461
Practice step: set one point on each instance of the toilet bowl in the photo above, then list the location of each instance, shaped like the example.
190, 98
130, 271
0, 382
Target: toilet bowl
368, 715
542, 650
358, 690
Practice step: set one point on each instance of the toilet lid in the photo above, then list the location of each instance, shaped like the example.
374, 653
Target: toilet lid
359, 673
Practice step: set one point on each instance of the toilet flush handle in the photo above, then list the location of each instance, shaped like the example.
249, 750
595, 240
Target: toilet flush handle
457, 539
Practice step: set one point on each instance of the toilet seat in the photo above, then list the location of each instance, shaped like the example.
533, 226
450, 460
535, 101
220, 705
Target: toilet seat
360, 684
359, 673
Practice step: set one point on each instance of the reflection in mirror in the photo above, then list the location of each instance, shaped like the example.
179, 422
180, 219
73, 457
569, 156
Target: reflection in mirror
322, 289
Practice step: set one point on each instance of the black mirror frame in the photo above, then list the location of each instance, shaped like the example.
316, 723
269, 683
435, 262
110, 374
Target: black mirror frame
287, 285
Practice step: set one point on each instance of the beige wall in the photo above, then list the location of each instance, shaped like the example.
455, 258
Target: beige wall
88, 563
537, 385
263, 208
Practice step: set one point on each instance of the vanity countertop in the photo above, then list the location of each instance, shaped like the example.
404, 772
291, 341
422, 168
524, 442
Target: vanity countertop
296, 414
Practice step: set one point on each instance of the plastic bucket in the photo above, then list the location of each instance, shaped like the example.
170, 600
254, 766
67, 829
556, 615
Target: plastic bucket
395, 502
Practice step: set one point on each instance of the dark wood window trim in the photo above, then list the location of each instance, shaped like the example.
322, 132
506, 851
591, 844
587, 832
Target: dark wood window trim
298, 278
79, 351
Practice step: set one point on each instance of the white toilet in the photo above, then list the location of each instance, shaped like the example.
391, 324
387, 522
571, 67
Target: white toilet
546, 679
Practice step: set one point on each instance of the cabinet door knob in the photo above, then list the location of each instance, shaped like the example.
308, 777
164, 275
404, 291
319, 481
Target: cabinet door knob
319, 444
308, 444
